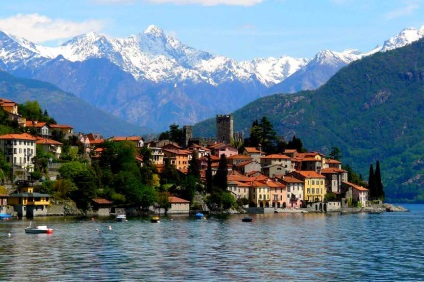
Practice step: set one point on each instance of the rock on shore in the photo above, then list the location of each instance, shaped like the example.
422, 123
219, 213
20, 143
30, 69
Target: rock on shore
393, 208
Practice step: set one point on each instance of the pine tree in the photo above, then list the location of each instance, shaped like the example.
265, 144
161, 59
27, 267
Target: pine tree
378, 184
371, 184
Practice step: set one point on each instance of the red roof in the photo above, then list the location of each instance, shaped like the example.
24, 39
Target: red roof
23, 136
102, 201
175, 200
47, 141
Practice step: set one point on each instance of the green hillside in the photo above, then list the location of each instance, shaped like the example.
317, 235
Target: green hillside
66, 108
372, 110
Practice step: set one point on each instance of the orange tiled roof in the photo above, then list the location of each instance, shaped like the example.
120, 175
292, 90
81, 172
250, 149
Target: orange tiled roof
22, 136
310, 174
174, 199
332, 161
357, 187
102, 201
332, 170
36, 124
63, 126
289, 179
46, 141
237, 157
252, 150
276, 156
177, 151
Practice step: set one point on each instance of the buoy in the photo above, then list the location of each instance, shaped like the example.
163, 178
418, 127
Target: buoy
9, 234
110, 227
92, 219
97, 229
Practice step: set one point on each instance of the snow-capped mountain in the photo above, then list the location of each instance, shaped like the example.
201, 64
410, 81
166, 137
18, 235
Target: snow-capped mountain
153, 78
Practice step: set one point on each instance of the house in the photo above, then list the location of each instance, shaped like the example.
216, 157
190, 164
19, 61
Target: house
11, 108
179, 158
236, 159
277, 194
64, 128
254, 153
294, 188
276, 164
238, 189
40, 128
28, 203
50, 146
311, 161
19, 150
314, 185
247, 167
334, 177
355, 192
219, 149
101, 207
137, 140
178, 205
259, 195
156, 155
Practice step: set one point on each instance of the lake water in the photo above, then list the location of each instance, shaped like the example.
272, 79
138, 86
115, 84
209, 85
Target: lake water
276, 247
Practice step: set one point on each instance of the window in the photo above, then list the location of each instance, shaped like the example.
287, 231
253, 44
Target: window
309, 190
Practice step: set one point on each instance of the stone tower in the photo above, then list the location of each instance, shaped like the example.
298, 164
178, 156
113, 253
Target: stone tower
224, 127
187, 134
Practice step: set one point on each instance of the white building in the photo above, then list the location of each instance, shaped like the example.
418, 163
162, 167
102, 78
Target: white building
19, 150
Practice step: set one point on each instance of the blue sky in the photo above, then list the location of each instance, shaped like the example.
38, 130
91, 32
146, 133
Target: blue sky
239, 29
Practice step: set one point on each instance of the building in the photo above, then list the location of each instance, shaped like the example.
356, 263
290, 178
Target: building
19, 150
314, 185
179, 158
50, 146
28, 203
356, 193
294, 188
178, 205
278, 194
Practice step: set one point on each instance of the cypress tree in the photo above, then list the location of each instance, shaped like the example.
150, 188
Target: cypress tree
378, 184
193, 168
220, 179
371, 184
209, 175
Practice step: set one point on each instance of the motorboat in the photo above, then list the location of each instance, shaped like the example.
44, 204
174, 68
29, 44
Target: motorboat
155, 219
247, 219
5, 216
121, 217
40, 229
199, 215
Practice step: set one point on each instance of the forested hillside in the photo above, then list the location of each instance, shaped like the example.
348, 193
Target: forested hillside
372, 110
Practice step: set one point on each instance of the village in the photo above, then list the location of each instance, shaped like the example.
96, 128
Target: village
289, 181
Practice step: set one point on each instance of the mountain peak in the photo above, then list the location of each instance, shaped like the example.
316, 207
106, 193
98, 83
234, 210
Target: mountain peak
154, 30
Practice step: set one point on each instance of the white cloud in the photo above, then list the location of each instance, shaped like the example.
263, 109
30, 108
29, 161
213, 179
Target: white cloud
402, 12
38, 28
209, 2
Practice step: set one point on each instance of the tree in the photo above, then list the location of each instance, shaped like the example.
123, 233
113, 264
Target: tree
169, 173
372, 189
335, 153
163, 201
268, 135
378, 183
193, 168
209, 180
296, 144
220, 179
255, 134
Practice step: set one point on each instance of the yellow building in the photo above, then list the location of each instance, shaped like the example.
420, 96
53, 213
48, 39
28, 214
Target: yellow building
177, 157
314, 185
28, 203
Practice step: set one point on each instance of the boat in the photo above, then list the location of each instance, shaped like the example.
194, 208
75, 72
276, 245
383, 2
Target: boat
40, 229
199, 215
5, 216
247, 219
121, 217
155, 219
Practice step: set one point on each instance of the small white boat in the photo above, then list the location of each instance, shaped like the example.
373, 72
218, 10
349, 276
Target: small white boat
38, 229
121, 217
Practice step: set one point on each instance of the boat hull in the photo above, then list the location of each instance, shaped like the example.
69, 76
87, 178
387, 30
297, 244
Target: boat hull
32, 230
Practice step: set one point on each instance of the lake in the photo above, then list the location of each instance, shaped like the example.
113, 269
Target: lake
275, 247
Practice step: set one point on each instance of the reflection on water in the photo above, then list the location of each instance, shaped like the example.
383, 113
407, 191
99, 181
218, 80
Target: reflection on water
294, 247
